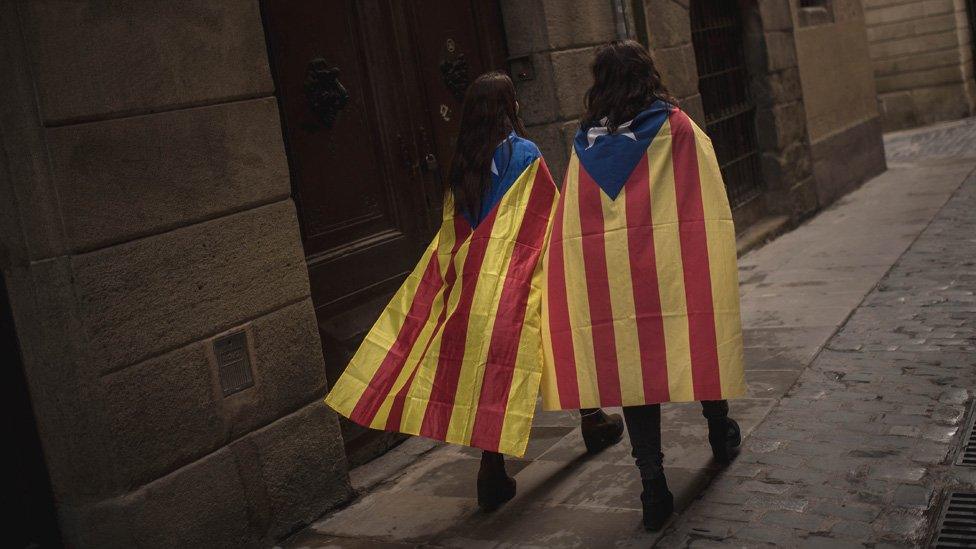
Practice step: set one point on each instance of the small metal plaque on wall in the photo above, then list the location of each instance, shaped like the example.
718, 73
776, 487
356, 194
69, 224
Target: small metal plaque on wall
233, 362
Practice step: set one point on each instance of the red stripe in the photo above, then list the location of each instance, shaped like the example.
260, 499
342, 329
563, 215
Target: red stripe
643, 278
461, 230
694, 258
509, 318
563, 354
440, 406
598, 289
382, 382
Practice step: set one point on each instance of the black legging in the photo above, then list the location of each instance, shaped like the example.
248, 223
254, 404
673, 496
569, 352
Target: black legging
644, 428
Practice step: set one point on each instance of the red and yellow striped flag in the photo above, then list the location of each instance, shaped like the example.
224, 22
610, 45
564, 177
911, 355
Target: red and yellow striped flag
457, 354
641, 303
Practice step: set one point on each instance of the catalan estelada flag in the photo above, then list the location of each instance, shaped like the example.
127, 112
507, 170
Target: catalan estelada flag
641, 299
457, 354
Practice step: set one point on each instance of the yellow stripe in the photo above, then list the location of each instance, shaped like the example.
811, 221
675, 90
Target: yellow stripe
418, 395
347, 391
524, 391
722, 268
484, 305
622, 298
670, 271
550, 394
446, 244
578, 301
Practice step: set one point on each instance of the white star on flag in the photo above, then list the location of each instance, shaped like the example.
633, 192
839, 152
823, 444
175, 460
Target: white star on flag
599, 131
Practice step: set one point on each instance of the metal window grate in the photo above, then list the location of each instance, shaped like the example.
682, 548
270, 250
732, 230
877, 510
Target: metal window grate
967, 454
957, 523
716, 33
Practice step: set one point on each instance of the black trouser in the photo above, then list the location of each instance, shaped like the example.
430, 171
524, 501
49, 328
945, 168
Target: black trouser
644, 428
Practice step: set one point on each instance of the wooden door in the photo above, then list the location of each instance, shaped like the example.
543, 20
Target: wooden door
445, 45
369, 92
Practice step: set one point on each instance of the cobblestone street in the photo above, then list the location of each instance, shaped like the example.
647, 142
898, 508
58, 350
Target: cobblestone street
861, 336
858, 452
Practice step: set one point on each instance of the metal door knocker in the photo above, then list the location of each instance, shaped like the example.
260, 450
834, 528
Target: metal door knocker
454, 70
325, 94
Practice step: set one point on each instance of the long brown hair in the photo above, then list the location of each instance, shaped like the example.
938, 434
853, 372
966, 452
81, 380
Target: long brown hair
625, 82
488, 115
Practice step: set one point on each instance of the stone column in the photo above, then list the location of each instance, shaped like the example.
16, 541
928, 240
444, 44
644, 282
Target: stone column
558, 38
780, 117
669, 39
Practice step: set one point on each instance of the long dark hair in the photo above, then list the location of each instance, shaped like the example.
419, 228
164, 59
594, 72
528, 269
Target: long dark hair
625, 82
489, 114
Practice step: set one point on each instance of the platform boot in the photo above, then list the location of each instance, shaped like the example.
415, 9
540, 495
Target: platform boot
657, 501
724, 436
600, 430
495, 487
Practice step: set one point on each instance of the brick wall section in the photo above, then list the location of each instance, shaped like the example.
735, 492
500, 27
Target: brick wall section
146, 206
669, 38
922, 56
559, 36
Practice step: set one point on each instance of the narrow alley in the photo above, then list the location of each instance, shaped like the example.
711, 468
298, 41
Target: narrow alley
860, 336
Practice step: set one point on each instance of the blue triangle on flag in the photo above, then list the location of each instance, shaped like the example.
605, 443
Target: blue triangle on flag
610, 158
511, 158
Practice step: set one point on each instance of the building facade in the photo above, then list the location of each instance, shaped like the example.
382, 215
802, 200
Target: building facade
922, 52
203, 208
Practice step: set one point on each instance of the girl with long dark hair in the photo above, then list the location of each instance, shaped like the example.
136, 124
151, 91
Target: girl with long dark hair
457, 354
641, 294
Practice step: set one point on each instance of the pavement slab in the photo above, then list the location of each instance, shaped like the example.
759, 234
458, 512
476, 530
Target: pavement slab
859, 334
878, 413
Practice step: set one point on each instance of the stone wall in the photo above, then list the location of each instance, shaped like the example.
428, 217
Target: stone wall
838, 96
146, 210
558, 37
667, 32
923, 60
775, 86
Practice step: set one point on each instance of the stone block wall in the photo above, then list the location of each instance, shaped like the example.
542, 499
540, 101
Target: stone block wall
923, 60
780, 112
146, 211
667, 31
775, 86
838, 96
559, 37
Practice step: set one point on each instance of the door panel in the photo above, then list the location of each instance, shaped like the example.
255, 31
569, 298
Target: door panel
367, 200
361, 224
336, 214
452, 43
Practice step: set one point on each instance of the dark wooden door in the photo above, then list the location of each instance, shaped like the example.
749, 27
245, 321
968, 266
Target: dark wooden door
369, 92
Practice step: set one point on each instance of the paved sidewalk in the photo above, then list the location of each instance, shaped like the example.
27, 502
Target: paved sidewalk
859, 452
797, 292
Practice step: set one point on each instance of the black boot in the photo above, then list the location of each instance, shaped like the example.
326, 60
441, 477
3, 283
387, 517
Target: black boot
724, 437
658, 503
495, 487
600, 430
